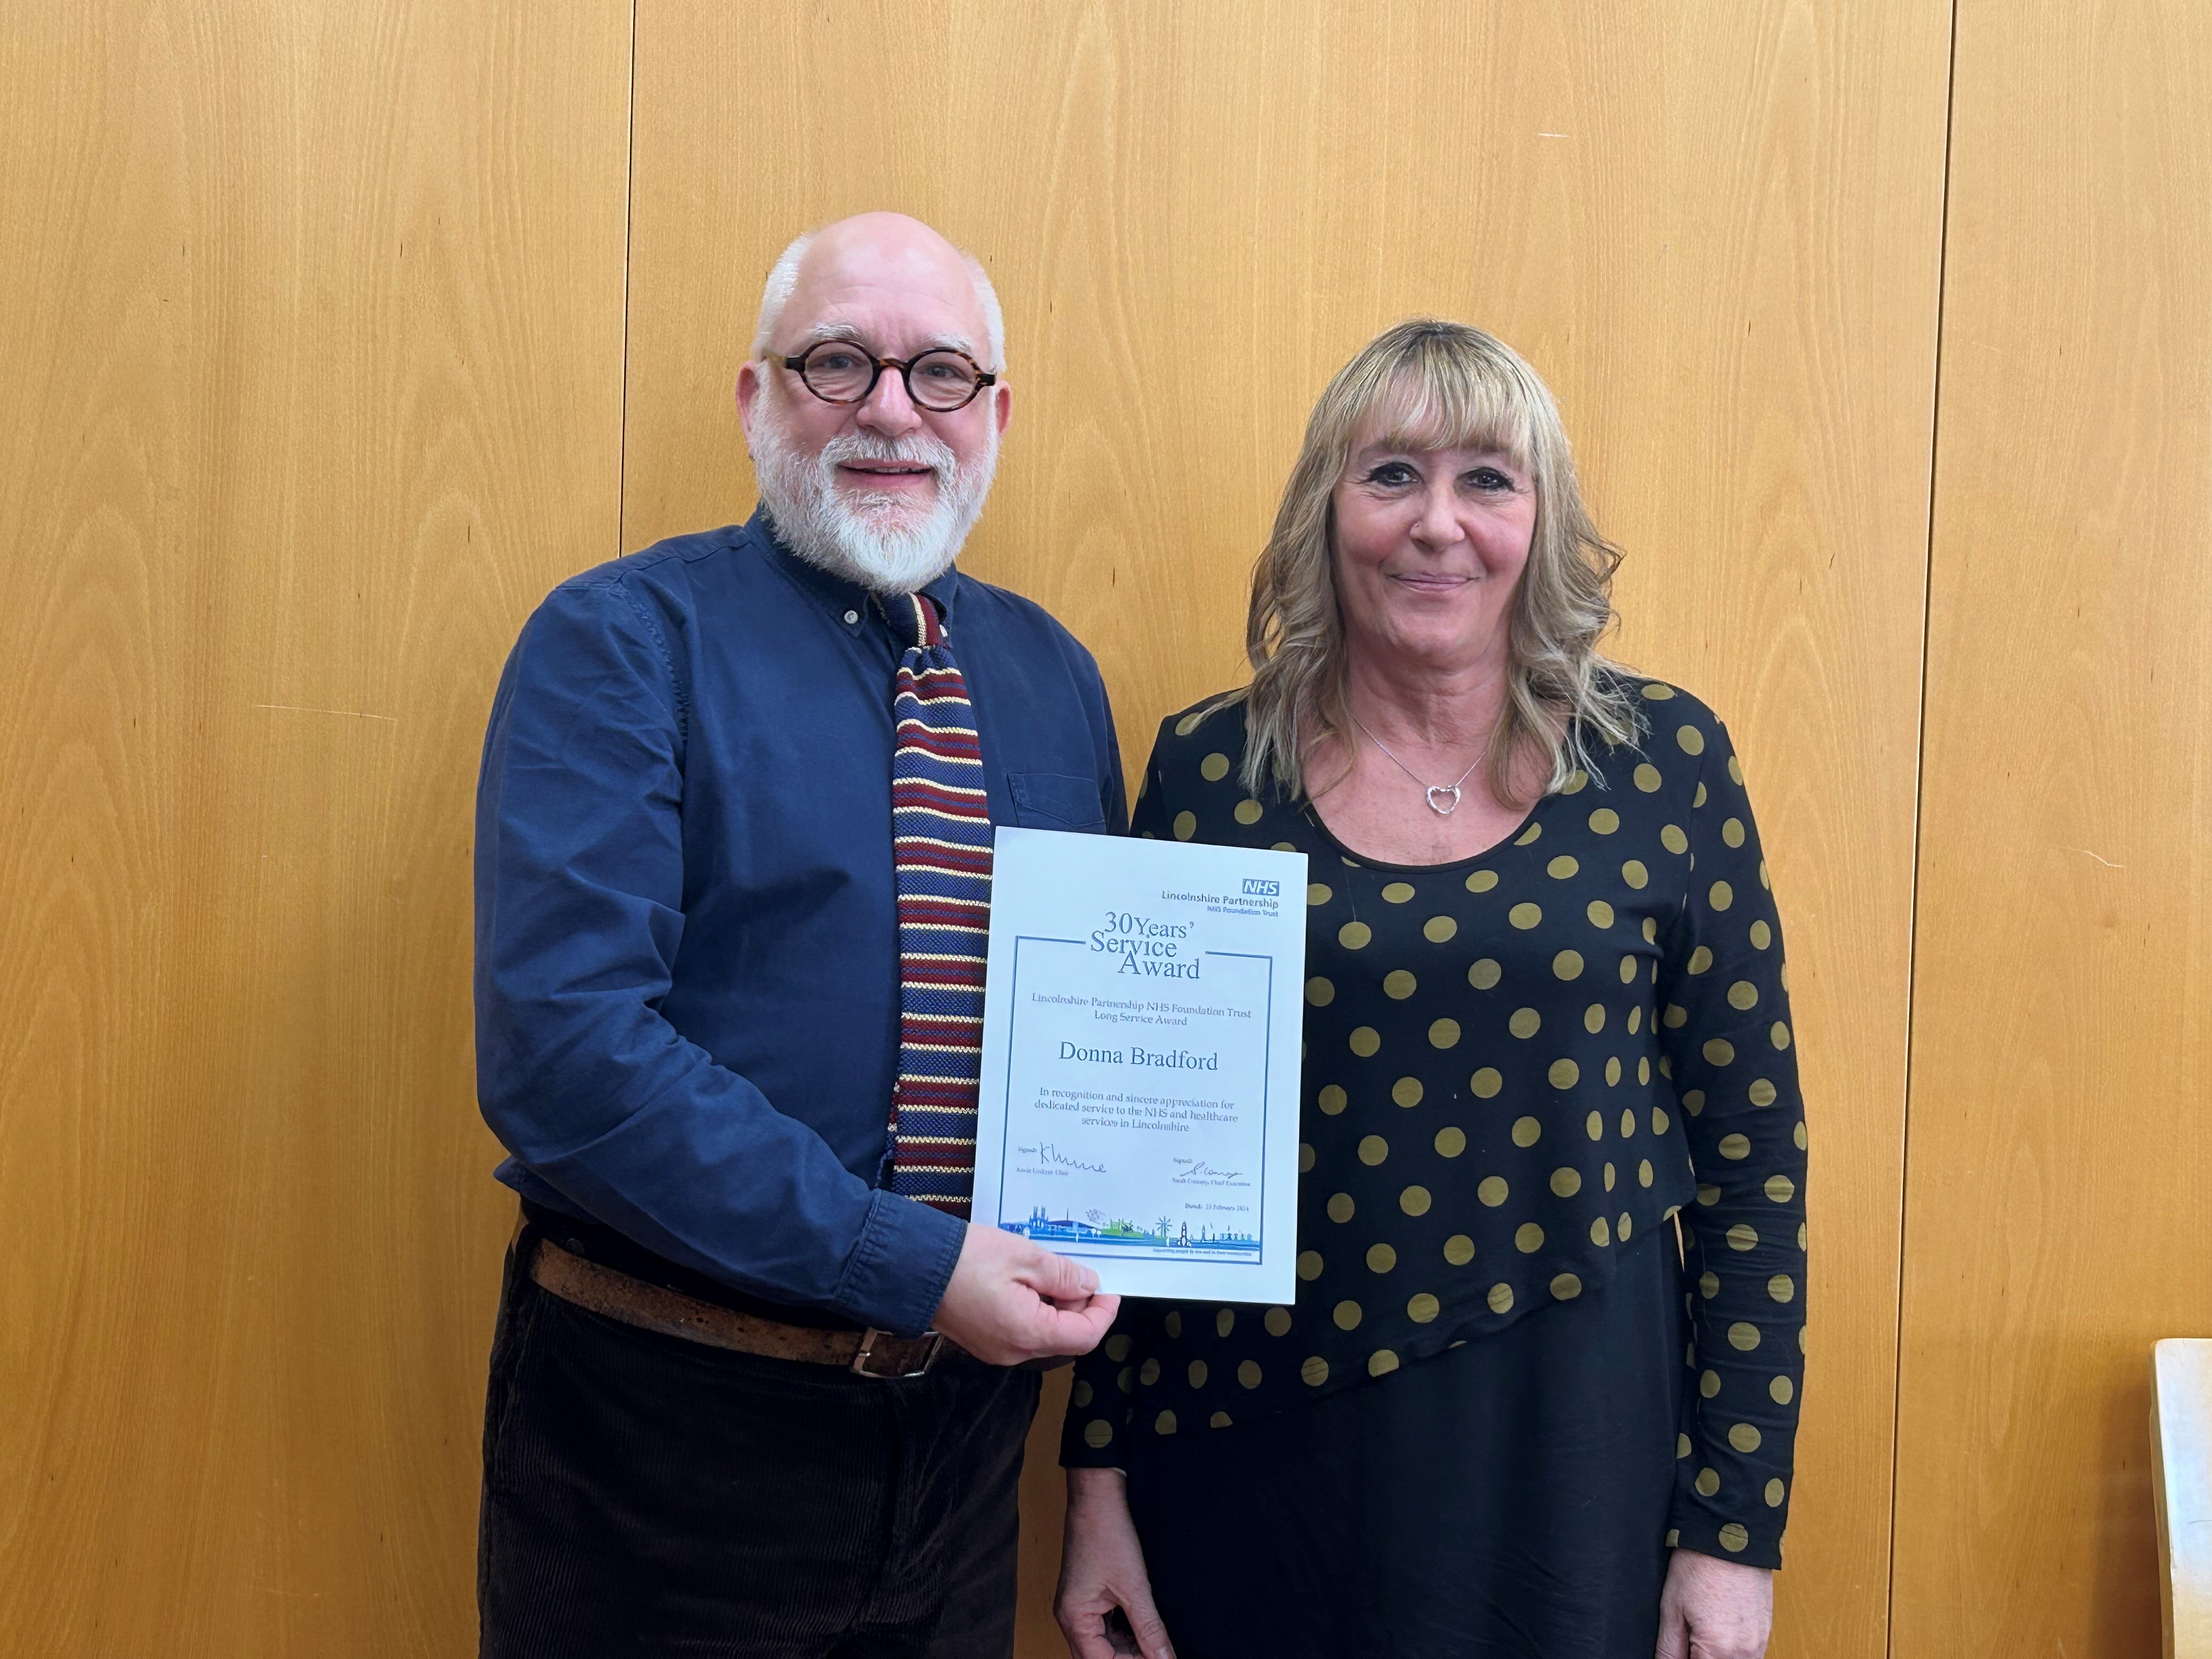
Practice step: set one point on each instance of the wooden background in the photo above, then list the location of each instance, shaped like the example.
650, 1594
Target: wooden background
336, 335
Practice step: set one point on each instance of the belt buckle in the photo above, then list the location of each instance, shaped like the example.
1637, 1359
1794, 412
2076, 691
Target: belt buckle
868, 1346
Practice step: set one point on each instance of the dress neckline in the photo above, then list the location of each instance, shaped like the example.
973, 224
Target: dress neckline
1358, 859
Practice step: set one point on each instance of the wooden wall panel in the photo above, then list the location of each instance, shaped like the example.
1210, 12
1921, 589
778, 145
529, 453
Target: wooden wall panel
312, 328
2061, 1150
1713, 225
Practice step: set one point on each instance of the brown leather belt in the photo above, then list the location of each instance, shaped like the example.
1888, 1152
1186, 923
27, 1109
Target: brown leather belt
617, 1296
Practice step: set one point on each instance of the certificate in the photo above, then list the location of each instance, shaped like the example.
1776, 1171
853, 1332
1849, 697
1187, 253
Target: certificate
1142, 1020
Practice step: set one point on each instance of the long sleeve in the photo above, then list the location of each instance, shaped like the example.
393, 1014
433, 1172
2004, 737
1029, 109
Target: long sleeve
1730, 1048
580, 895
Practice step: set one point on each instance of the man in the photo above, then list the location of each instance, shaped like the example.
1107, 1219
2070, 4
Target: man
733, 860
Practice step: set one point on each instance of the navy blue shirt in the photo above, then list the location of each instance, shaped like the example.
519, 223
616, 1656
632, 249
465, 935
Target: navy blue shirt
687, 939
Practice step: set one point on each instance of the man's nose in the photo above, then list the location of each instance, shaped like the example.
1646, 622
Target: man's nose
887, 408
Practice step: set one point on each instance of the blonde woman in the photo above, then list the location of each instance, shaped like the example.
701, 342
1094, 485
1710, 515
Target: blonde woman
1546, 1015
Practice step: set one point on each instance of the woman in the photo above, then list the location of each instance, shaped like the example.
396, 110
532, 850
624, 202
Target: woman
1546, 1013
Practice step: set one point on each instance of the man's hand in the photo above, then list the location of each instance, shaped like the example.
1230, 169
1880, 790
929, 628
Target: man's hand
1011, 1301
1102, 1570
1714, 1609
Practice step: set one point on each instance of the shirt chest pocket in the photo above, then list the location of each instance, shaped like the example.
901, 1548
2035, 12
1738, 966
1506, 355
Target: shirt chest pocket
1052, 800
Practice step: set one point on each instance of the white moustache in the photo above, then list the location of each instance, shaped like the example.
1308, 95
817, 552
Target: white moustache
916, 449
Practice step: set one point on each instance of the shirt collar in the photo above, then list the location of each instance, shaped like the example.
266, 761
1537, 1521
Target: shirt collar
834, 590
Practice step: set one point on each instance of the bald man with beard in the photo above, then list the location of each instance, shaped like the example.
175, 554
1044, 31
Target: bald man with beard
758, 1386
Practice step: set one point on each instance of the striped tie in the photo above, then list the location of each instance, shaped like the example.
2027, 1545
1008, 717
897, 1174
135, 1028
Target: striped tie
941, 845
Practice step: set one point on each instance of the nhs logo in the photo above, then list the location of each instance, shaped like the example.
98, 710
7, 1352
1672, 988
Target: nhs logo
1263, 889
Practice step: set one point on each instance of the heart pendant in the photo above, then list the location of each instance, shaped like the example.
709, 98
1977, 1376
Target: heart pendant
1443, 797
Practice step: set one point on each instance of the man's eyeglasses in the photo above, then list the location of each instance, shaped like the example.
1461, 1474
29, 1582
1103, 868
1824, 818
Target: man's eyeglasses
840, 372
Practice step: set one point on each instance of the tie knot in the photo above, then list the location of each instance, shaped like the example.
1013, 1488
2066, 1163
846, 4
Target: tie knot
914, 617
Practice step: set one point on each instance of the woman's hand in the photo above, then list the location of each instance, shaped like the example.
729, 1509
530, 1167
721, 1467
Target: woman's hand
1101, 1569
1710, 1608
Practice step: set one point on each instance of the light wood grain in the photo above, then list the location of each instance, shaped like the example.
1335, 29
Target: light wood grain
2060, 1153
1714, 226
313, 331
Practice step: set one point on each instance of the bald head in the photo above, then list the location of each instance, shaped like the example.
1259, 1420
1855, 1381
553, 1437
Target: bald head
862, 264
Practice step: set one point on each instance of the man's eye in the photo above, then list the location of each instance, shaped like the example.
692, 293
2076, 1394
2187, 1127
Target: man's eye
836, 362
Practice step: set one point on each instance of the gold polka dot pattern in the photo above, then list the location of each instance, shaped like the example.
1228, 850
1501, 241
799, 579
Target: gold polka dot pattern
1517, 1068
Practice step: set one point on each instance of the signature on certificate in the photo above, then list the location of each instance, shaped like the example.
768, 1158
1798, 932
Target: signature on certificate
1202, 1170
1048, 1153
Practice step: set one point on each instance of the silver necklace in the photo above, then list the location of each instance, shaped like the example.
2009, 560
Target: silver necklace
1443, 798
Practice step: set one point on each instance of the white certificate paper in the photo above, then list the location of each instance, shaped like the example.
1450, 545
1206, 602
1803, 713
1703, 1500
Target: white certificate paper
1141, 1029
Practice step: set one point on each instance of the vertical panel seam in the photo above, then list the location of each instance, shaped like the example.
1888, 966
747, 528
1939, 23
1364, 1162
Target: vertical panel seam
1919, 809
629, 223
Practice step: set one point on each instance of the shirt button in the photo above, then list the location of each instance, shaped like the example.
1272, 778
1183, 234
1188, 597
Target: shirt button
852, 617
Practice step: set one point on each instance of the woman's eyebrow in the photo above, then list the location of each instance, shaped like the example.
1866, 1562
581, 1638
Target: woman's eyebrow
1479, 454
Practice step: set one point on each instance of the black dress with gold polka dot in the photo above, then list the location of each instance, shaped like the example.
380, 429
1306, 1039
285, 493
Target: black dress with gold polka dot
1519, 1066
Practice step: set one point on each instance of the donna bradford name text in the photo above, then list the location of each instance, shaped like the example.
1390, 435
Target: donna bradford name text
1179, 1060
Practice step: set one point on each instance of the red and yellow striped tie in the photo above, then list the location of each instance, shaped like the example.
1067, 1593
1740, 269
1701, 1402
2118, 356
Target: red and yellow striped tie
941, 845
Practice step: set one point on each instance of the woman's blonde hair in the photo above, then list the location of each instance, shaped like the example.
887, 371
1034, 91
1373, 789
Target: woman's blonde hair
1432, 385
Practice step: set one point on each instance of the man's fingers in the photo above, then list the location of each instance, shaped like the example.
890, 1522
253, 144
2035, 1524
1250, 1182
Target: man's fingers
1078, 1330
1057, 1279
1674, 1636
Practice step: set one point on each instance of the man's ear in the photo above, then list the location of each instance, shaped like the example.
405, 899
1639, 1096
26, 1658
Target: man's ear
1004, 411
749, 390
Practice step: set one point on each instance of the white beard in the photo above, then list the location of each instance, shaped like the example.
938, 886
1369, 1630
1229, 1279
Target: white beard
883, 542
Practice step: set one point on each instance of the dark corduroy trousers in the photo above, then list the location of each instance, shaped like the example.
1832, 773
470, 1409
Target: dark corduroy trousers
643, 1494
